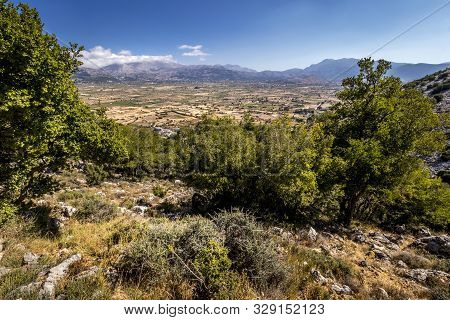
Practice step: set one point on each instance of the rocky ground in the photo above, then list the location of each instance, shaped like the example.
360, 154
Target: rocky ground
49, 258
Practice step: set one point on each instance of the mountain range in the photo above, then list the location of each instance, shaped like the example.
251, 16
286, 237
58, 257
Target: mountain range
328, 71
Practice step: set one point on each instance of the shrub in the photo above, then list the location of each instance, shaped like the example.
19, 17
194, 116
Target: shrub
95, 174
7, 211
159, 191
189, 252
251, 249
94, 208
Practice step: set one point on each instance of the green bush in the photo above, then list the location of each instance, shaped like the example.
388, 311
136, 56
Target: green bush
159, 191
7, 211
95, 174
170, 252
251, 249
94, 208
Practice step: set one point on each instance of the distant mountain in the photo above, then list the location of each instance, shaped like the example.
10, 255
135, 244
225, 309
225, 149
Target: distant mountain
328, 71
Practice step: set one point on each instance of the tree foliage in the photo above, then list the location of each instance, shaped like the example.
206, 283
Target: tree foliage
43, 122
379, 128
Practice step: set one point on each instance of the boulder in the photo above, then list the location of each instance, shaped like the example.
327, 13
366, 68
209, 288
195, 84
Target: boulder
439, 245
341, 289
4, 271
140, 209
30, 258
66, 210
319, 277
358, 236
423, 232
55, 275
401, 264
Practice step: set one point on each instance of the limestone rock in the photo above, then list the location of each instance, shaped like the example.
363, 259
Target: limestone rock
55, 275
439, 245
319, 277
140, 209
4, 271
341, 289
30, 258
66, 210
421, 275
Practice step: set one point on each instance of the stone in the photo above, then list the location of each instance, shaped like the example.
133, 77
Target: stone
423, 232
88, 273
421, 275
362, 263
177, 181
2, 245
319, 277
341, 289
439, 245
55, 275
1, 256
401, 264
358, 236
30, 258
380, 293
140, 209
66, 210
400, 229
4, 271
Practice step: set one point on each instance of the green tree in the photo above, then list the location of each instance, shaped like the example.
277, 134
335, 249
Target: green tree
380, 128
43, 122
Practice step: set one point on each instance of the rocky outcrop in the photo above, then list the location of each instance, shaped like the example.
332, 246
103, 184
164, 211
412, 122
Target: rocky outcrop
439, 245
422, 275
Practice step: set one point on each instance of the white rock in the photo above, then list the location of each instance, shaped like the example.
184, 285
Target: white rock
56, 274
140, 209
341, 289
30, 258
177, 181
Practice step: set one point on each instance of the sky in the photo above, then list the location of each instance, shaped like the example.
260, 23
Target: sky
259, 34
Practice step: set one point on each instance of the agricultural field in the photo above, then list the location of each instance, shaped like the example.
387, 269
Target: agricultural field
173, 105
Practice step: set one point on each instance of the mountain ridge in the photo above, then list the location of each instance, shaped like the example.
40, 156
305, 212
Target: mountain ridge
328, 71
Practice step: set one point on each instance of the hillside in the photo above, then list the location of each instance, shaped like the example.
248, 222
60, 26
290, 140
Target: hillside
437, 86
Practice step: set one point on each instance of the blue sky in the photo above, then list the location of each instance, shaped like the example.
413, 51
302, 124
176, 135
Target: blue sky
260, 34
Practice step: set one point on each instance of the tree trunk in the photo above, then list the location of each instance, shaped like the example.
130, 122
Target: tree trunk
347, 208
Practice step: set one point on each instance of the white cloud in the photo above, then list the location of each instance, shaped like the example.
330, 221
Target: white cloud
195, 51
98, 57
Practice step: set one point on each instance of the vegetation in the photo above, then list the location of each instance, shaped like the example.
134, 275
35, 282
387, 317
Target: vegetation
43, 123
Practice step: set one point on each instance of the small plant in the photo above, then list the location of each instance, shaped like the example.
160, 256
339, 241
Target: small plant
159, 191
7, 211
